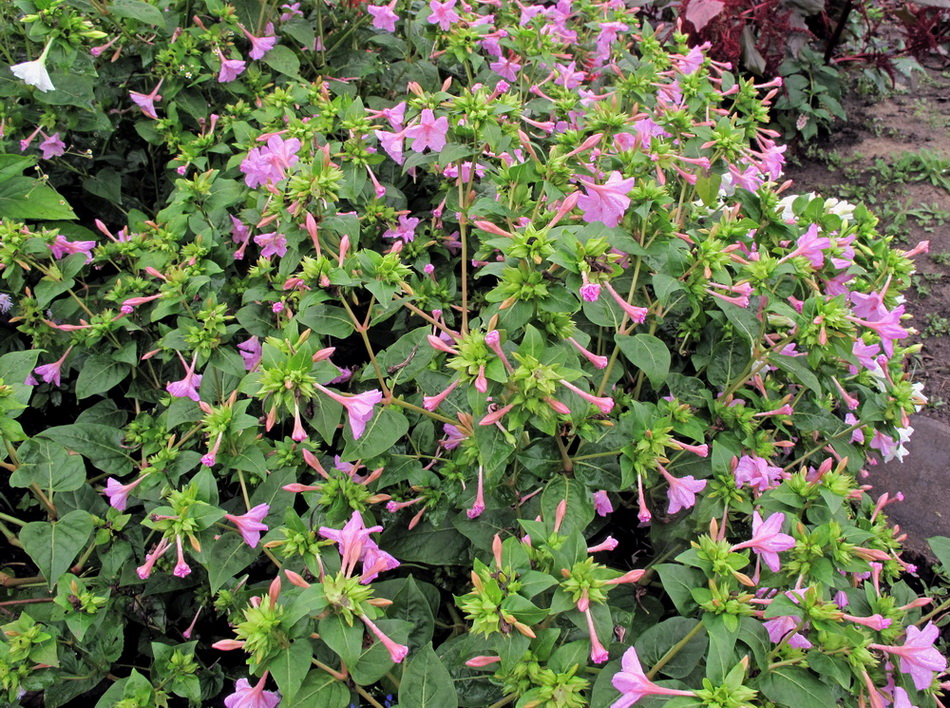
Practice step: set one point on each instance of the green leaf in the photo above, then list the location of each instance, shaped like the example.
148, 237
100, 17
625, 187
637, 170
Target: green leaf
327, 319
290, 666
722, 642
54, 546
940, 545
411, 605
100, 444
14, 368
743, 319
346, 640
229, 556
797, 370
13, 165
648, 354
100, 374
26, 198
792, 686
48, 465
320, 690
729, 359
283, 60
679, 581
384, 430
138, 10
655, 642
427, 544
426, 683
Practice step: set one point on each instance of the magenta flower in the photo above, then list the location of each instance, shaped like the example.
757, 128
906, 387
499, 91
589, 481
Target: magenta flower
61, 247
683, 490
383, 16
602, 503
251, 351
260, 45
230, 69
189, 385
888, 328
430, 131
392, 144
250, 525
810, 246
52, 373
53, 146
780, 627
919, 657
118, 493
145, 570
350, 540
405, 231
506, 68
767, 539
146, 101
633, 683
247, 696
397, 652
359, 407
757, 473
181, 567
443, 15
606, 202
273, 244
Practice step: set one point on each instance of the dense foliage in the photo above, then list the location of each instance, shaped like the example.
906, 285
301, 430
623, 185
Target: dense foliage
438, 355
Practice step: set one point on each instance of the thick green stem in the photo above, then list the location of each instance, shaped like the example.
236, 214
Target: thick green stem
674, 650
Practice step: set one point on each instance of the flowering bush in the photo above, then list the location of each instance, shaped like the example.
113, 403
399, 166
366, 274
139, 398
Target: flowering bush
439, 354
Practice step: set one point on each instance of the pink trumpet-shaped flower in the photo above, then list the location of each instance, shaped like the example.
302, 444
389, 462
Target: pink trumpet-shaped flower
260, 45
606, 202
636, 314
633, 683
146, 101
602, 504
52, 373
118, 494
683, 490
350, 540
599, 362
919, 657
430, 403
604, 403
429, 132
479, 506
384, 18
53, 146
230, 68
250, 525
251, 352
189, 385
443, 15
181, 567
247, 696
767, 539
597, 652
145, 569
397, 652
359, 407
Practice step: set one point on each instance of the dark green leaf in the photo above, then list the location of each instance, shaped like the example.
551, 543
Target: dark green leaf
290, 666
229, 556
320, 690
100, 374
426, 683
386, 427
48, 465
138, 10
54, 546
792, 686
100, 444
648, 354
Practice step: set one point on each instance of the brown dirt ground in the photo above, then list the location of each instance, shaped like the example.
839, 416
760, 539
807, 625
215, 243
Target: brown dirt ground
852, 163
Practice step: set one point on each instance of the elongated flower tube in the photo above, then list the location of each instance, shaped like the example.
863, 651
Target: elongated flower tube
599, 362
359, 407
636, 314
34, 72
604, 403
397, 652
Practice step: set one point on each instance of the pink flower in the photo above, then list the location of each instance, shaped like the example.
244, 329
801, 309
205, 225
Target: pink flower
779, 627
767, 539
181, 567
250, 524
682, 491
251, 351
811, 247
383, 16
756, 473
359, 407
189, 385
429, 131
61, 247
636, 314
506, 68
350, 540
118, 493
443, 15
230, 69
274, 244
602, 503
919, 657
405, 231
52, 146
633, 683
52, 373
146, 101
145, 570
392, 144
397, 652
260, 45
246, 696
606, 202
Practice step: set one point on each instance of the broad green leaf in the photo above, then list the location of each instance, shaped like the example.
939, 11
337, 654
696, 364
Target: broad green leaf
283, 60
13, 165
743, 319
100, 444
138, 10
344, 639
795, 367
792, 686
654, 643
229, 556
722, 642
320, 690
426, 683
411, 605
289, 668
48, 465
386, 427
940, 545
428, 544
27, 198
54, 546
100, 374
679, 581
729, 360
14, 368
648, 354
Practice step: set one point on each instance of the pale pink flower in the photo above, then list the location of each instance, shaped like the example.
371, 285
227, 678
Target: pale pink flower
633, 683
146, 101
767, 539
274, 244
383, 16
683, 490
359, 407
919, 657
53, 146
189, 385
429, 131
260, 45
443, 15
250, 524
247, 696
52, 373
606, 202
118, 493
230, 69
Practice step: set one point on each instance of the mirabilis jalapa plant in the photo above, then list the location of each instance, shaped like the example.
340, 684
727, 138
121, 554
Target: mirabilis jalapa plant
479, 356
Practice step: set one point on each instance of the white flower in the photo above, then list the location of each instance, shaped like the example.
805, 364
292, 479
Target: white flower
34, 72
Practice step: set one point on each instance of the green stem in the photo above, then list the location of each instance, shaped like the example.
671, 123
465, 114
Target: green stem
11, 519
674, 650
422, 411
937, 610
